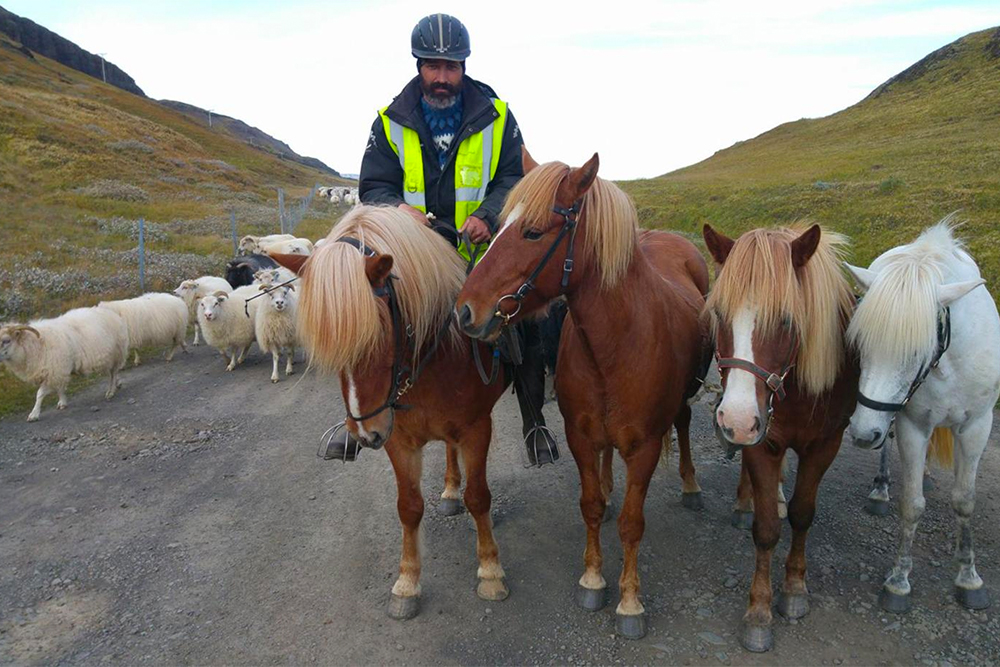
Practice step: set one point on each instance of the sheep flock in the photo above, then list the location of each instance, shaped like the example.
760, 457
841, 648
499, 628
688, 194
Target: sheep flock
251, 304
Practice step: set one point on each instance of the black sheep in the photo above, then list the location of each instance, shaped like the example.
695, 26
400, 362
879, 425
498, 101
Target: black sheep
240, 270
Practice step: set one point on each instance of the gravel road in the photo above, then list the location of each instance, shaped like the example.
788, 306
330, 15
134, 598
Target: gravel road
188, 521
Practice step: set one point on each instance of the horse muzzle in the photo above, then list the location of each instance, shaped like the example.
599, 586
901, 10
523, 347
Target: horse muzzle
488, 331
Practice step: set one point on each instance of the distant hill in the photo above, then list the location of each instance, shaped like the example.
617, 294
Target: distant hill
34, 38
924, 143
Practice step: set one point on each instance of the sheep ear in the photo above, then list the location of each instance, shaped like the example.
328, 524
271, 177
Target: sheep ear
863, 277
954, 291
291, 287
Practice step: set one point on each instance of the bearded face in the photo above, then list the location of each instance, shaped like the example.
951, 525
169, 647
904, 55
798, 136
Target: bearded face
440, 82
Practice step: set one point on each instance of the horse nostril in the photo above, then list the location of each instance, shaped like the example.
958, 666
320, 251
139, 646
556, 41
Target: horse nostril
876, 435
465, 316
756, 424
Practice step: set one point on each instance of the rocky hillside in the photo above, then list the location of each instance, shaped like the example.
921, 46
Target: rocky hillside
921, 145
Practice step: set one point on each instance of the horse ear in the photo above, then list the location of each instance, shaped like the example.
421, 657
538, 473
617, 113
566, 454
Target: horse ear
719, 245
581, 179
377, 268
863, 277
804, 246
954, 291
291, 262
527, 162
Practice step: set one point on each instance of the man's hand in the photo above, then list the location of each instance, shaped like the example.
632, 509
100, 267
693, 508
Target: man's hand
417, 215
478, 230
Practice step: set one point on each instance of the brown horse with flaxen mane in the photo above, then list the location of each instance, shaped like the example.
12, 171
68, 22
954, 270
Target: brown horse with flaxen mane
780, 308
632, 345
376, 308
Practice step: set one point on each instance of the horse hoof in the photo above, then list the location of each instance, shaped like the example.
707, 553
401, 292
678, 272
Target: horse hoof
492, 590
591, 599
609, 512
630, 626
692, 501
793, 605
403, 609
928, 484
975, 598
894, 602
877, 507
450, 507
757, 638
742, 520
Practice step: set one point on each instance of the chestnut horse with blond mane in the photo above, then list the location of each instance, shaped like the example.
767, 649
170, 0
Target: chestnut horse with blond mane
631, 350
780, 309
376, 308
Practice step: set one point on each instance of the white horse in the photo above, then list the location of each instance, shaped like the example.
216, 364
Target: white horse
928, 338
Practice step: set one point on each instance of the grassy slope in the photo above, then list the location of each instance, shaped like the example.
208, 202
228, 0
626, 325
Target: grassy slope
72, 153
879, 171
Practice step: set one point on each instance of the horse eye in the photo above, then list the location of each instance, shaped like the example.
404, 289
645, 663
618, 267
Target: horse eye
532, 234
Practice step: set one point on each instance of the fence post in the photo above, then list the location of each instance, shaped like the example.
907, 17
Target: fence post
142, 256
232, 230
281, 209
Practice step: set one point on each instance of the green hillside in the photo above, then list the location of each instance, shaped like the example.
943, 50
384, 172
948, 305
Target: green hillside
82, 161
923, 144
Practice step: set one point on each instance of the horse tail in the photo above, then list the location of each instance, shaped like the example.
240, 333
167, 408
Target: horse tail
942, 447
668, 444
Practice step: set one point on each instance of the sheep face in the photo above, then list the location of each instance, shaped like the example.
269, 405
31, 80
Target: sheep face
248, 246
211, 306
186, 289
279, 299
11, 339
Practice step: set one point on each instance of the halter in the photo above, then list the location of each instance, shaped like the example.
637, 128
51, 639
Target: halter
943, 343
403, 377
568, 227
775, 382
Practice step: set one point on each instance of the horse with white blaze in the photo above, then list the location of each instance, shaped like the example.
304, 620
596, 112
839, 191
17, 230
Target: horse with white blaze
47, 352
193, 291
928, 332
153, 319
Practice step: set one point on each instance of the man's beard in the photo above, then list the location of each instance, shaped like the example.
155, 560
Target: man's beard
440, 95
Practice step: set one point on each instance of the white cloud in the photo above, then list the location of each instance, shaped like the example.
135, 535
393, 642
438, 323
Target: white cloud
652, 86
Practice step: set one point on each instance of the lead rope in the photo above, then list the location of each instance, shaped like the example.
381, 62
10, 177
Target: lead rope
494, 372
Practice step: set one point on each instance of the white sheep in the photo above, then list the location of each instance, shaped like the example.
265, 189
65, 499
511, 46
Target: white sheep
153, 319
251, 245
225, 323
290, 247
47, 352
274, 326
192, 291
268, 277
334, 198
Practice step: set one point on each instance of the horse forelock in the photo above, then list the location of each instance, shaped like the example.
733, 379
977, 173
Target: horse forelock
758, 275
341, 320
608, 219
898, 316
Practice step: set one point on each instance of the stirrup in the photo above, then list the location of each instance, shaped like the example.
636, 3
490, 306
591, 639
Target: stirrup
337, 443
548, 452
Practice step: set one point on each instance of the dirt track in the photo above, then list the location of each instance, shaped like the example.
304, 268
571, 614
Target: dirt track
189, 521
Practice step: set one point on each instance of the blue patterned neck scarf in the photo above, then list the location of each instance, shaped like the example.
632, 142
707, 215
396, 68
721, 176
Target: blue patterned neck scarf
444, 125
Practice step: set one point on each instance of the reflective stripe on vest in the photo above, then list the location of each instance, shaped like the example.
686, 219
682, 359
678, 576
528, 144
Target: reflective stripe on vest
475, 166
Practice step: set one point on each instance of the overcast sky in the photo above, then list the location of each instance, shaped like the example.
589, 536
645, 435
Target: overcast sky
651, 85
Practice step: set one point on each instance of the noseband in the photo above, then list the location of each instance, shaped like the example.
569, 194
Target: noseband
775, 382
568, 228
943, 343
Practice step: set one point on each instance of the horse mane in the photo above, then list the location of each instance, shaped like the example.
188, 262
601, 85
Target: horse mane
818, 301
341, 322
898, 316
610, 239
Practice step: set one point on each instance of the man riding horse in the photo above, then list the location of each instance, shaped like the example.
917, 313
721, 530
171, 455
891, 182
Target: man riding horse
448, 151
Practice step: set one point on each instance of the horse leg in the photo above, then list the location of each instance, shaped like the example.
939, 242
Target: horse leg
971, 441
878, 499
764, 469
607, 480
794, 599
475, 448
782, 502
640, 464
912, 443
451, 503
407, 459
743, 507
690, 491
592, 591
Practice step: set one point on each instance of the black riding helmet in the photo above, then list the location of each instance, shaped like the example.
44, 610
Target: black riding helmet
440, 37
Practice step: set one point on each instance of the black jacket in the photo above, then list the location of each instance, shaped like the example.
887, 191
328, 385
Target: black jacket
381, 179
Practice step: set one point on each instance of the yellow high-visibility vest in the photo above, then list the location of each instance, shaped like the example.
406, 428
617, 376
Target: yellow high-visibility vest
475, 166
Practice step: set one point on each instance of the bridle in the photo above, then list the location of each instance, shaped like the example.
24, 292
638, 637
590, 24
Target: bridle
943, 343
569, 227
774, 382
403, 376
